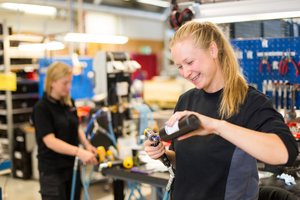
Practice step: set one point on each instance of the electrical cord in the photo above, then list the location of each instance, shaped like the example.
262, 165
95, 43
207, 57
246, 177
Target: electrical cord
76, 161
148, 110
142, 121
109, 134
86, 185
150, 135
6, 179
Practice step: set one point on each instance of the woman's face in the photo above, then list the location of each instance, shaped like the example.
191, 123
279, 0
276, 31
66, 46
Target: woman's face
198, 65
62, 86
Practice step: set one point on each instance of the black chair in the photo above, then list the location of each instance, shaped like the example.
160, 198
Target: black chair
274, 193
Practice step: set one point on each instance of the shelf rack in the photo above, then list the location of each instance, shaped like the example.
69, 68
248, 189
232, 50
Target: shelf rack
9, 53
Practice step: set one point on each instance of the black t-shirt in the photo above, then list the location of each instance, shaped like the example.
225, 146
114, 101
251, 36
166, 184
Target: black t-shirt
210, 167
50, 116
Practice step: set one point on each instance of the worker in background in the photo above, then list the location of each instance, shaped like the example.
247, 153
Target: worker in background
58, 134
238, 123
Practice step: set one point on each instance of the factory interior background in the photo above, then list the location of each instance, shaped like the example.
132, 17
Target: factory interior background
121, 61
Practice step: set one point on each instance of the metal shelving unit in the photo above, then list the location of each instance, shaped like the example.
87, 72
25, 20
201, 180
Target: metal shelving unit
21, 96
8, 111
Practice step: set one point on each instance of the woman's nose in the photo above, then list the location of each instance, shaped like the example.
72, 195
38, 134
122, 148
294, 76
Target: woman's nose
186, 72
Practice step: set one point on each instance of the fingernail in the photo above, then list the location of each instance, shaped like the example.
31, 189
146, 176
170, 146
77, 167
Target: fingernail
176, 118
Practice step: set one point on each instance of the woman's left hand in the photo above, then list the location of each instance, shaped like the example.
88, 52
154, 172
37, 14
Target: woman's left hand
207, 124
91, 148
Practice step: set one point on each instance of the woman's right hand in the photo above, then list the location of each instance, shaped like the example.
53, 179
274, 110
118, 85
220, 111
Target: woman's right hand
154, 152
86, 157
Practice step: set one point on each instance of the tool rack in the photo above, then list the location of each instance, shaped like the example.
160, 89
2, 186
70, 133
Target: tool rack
250, 52
16, 106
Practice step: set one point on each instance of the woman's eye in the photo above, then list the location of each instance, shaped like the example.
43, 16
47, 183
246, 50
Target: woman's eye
190, 62
179, 67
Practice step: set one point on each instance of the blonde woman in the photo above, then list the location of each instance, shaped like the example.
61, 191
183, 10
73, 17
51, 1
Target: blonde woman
238, 123
58, 134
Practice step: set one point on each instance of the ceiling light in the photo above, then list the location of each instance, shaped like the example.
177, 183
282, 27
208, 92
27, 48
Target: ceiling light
94, 38
41, 46
251, 17
32, 9
54, 46
32, 47
242, 11
159, 3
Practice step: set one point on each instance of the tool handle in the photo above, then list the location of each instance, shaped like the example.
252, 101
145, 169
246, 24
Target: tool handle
260, 66
279, 67
150, 135
269, 68
165, 160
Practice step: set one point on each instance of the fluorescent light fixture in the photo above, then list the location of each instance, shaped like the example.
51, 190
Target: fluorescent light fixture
32, 9
94, 38
159, 3
41, 46
54, 46
32, 47
251, 17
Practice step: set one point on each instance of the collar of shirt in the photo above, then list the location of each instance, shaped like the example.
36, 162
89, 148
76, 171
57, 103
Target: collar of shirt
51, 99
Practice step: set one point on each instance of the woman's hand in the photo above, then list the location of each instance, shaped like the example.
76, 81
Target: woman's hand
207, 124
86, 156
91, 148
154, 152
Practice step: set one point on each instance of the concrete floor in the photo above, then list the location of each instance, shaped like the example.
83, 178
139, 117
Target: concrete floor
15, 188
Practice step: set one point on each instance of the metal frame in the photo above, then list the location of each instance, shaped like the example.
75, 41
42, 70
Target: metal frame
8, 97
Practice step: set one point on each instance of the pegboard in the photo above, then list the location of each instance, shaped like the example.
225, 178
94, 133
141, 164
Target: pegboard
82, 86
249, 53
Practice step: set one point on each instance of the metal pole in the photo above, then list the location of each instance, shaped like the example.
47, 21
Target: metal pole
19, 20
80, 26
46, 40
71, 24
8, 99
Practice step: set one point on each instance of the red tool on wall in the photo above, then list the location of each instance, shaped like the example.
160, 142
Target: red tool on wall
284, 61
264, 60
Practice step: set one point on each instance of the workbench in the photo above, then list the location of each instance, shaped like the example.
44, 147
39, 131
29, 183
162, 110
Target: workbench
157, 179
160, 179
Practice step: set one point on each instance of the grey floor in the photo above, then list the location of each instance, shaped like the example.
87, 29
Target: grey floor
18, 189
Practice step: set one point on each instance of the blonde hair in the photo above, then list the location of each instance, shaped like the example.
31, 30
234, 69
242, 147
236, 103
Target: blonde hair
56, 71
235, 87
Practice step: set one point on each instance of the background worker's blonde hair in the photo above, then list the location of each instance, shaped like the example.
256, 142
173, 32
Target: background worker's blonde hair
56, 71
235, 88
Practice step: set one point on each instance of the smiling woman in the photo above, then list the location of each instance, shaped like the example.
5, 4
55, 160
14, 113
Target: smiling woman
238, 122
216, 63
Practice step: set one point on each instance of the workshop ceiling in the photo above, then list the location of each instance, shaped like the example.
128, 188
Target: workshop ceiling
134, 4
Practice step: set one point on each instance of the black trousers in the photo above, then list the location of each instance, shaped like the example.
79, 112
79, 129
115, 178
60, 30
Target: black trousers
57, 186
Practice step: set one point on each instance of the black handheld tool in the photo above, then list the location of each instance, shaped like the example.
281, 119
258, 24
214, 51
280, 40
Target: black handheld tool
183, 126
154, 138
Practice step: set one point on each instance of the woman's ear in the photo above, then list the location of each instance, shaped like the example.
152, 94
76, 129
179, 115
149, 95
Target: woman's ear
52, 83
214, 50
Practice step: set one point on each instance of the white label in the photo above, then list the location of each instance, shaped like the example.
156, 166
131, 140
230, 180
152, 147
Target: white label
18, 155
19, 173
249, 54
20, 139
264, 43
170, 130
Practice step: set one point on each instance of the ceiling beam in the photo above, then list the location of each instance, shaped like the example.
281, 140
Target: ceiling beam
98, 8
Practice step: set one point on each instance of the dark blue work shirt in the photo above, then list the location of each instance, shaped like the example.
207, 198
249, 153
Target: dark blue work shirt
50, 116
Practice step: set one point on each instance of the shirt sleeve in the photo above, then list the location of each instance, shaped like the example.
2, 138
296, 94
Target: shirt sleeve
43, 120
261, 116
